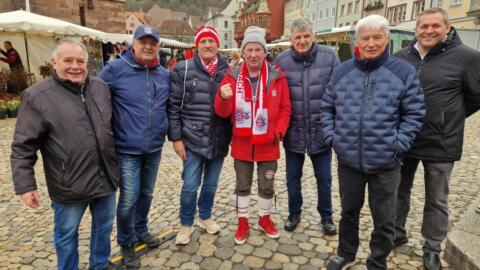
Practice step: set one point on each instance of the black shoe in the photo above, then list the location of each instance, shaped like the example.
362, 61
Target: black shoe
400, 241
431, 261
328, 226
292, 222
130, 259
340, 263
149, 240
110, 266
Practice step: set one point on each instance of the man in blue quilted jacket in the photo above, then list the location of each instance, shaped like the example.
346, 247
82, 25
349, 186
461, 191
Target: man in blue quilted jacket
371, 111
308, 68
140, 89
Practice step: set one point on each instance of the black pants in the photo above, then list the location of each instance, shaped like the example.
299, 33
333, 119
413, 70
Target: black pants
382, 193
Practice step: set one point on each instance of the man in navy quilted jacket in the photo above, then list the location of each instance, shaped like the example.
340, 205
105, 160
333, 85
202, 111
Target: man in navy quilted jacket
140, 89
308, 68
371, 111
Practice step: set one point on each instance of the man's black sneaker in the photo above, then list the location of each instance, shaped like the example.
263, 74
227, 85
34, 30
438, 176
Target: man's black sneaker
328, 226
130, 259
340, 263
149, 240
292, 222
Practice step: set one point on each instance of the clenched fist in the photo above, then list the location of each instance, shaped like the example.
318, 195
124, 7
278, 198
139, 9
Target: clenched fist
226, 91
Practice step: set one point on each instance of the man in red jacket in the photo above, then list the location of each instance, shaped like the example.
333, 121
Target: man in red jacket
255, 95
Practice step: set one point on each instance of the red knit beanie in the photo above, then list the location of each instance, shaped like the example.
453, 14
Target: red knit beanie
206, 31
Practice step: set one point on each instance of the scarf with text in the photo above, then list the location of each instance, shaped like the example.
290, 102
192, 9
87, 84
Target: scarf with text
251, 117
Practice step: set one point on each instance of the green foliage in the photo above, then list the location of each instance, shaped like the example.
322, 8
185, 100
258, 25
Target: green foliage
14, 104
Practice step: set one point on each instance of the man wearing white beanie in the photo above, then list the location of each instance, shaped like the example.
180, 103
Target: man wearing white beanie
255, 95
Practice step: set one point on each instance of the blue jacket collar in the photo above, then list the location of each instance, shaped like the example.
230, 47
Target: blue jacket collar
373, 64
128, 57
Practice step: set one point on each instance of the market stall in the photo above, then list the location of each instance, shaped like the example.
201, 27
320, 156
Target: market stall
33, 36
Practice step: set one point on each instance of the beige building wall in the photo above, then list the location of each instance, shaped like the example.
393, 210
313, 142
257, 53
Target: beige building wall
293, 11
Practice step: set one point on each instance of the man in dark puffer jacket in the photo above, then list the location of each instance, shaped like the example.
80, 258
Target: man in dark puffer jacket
308, 67
371, 111
450, 77
200, 138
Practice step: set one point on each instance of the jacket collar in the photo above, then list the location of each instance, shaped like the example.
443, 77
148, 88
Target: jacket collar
309, 57
372, 64
221, 64
452, 41
127, 56
70, 86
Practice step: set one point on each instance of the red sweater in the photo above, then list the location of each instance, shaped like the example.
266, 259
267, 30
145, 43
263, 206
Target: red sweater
279, 109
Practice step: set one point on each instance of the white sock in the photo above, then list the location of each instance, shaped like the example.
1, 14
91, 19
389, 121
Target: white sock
243, 203
264, 206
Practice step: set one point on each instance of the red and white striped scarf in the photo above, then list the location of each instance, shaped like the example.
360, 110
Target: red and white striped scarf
251, 117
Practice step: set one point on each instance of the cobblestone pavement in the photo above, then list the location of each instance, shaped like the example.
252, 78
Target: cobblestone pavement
26, 235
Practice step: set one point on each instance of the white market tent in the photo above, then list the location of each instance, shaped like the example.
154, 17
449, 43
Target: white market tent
33, 36
164, 42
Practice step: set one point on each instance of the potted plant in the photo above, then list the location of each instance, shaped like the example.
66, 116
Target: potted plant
12, 108
3, 110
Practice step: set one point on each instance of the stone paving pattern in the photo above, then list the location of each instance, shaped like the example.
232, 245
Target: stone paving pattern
26, 234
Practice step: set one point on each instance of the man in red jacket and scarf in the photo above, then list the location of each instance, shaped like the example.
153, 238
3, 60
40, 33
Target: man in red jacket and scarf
255, 95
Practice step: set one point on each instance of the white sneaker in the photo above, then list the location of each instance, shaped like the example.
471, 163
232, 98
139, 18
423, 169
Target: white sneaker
183, 235
209, 225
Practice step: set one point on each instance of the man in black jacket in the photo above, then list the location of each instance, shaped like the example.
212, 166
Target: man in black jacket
68, 118
450, 77
200, 138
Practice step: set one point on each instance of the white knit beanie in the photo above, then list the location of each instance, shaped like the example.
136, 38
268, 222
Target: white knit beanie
254, 34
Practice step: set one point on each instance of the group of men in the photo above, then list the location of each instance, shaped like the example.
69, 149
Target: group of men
381, 114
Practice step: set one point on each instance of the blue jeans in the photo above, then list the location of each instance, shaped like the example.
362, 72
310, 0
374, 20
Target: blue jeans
138, 174
67, 219
322, 167
193, 168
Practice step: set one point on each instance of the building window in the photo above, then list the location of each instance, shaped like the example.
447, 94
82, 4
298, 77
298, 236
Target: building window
437, 3
342, 10
225, 36
357, 6
225, 24
457, 2
320, 15
326, 13
397, 14
418, 7
313, 16
349, 8
333, 11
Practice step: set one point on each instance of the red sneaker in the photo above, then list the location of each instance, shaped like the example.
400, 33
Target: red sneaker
242, 231
266, 225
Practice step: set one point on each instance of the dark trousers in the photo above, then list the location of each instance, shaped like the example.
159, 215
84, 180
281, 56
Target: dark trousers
435, 212
265, 177
322, 166
382, 194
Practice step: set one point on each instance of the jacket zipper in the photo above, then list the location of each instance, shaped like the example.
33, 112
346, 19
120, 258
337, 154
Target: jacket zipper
362, 112
149, 139
306, 111
212, 114
97, 144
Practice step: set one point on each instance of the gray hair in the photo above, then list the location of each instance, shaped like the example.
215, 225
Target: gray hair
375, 22
301, 24
444, 14
68, 41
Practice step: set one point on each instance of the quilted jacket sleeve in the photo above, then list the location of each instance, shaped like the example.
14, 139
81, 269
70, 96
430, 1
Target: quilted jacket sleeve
471, 85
